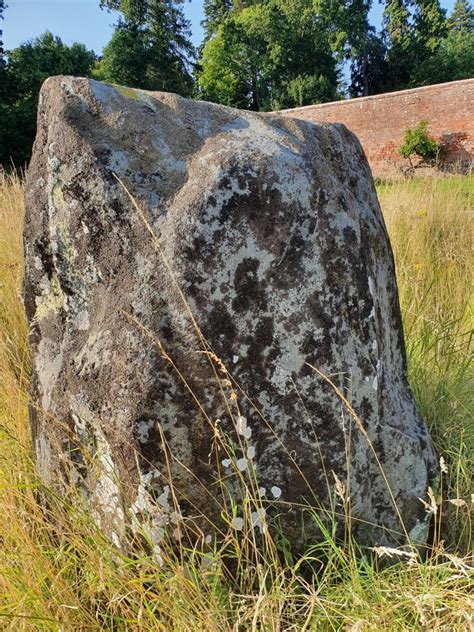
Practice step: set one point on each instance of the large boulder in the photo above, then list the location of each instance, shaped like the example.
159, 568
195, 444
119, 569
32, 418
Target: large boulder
215, 322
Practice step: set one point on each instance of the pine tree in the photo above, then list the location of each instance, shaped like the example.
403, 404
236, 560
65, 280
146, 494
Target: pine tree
150, 47
462, 17
398, 38
414, 31
132, 10
396, 22
125, 58
369, 68
215, 12
454, 58
429, 27
354, 39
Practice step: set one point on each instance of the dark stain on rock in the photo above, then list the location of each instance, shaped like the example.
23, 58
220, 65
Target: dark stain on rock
42, 247
249, 293
220, 327
322, 320
366, 410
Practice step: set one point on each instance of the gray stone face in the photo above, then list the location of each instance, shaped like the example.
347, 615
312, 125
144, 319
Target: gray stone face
174, 338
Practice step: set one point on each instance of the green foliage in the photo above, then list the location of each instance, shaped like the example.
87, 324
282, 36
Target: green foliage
399, 41
132, 10
413, 31
347, 23
125, 57
269, 55
32, 62
150, 47
454, 57
462, 17
223, 74
215, 12
430, 27
396, 23
369, 68
353, 39
3, 89
246, 66
28, 66
453, 60
418, 141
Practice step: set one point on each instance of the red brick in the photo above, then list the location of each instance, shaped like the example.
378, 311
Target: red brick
379, 122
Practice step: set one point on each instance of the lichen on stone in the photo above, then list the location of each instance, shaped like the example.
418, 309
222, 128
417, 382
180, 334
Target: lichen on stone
50, 300
252, 262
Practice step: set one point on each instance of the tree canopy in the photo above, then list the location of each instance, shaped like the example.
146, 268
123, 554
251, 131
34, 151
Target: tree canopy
267, 55
150, 47
453, 58
462, 18
215, 12
28, 66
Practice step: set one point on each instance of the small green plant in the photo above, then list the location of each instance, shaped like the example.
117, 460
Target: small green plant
417, 141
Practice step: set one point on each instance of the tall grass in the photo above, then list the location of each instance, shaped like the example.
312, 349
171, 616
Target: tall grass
57, 572
431, 227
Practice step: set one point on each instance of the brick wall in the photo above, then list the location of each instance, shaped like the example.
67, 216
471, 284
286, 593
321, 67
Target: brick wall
379, 122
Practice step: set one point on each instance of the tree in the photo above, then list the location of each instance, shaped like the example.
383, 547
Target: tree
270, 54
398, 39
223, 73
414, 30
354, 39
125, 58
369, 68
396, 22
454, 58
361, 41
461, 19
3, 63
132, 10
430, 28
215, 12
419, 142
28, 66
150, 47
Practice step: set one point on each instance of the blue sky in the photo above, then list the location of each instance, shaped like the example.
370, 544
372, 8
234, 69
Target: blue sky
83, 21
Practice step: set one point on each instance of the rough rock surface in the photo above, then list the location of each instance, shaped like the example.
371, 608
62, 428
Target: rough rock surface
175, 342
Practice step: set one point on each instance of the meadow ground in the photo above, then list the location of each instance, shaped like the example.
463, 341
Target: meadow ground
58, 573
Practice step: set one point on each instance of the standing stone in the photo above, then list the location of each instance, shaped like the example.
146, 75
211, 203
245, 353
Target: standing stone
180, 341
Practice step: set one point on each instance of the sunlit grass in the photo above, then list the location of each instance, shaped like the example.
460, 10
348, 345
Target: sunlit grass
57, 572
431, 227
